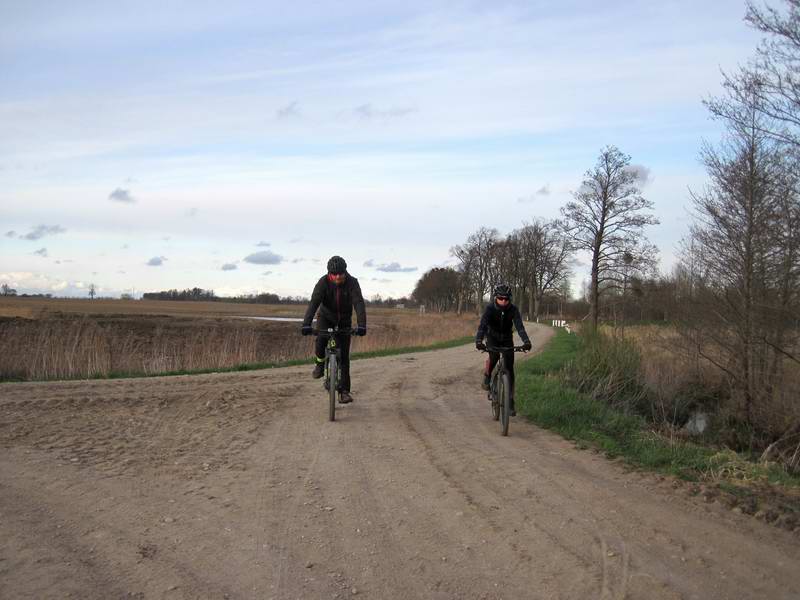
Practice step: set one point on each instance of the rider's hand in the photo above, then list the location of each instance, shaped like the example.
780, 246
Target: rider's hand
527, 346
361, 330
480, 345
306, 330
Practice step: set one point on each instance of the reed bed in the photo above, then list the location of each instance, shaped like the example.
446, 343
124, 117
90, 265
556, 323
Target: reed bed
84, 346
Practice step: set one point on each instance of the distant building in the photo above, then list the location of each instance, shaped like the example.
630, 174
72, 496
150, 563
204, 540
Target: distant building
399, 305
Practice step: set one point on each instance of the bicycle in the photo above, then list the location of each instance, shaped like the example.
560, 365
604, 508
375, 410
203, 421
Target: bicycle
500, 386
333, 365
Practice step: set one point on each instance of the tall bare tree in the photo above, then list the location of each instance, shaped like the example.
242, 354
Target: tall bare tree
606, 219
771, 81
745, 253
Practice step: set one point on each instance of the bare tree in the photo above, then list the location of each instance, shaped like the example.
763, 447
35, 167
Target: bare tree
745, 256
92, 291
771, 81
606, 219
545, 254
476, 262
7, 290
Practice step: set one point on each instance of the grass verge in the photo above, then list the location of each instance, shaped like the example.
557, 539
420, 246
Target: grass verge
543, 397
289, 363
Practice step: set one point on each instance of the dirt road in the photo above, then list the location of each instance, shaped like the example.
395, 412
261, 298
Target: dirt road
236, 486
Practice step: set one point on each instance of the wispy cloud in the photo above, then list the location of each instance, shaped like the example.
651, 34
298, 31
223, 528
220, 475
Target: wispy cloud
263, 244
542, 192
377, 280
642, 173
265, 257
395, 268
156, 261
267, 273
123, 196
229, 267
11, 234
290, 110
192, 212
41, 231
41, 252
367, 111
369, 263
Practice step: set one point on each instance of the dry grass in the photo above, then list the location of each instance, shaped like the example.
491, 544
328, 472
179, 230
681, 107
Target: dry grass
64, 342
675, 370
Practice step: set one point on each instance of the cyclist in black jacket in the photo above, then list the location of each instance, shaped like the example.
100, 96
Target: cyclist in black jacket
336, 294
496, 325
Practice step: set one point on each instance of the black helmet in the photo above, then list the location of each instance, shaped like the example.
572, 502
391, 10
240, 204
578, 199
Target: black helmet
502, 290
337, 265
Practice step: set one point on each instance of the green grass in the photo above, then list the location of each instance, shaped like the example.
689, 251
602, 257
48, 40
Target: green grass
289, 363
543, 397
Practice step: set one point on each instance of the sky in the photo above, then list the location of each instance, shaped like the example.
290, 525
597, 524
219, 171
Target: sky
237, 146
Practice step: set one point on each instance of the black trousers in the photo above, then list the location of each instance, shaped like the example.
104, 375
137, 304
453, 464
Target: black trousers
495, 356
343, 343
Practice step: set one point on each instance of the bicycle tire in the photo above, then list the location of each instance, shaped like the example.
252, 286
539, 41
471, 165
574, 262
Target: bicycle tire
493, 397
505, 408
332, 383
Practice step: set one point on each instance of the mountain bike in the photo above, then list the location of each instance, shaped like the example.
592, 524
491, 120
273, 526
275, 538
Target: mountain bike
500, 387
333, 364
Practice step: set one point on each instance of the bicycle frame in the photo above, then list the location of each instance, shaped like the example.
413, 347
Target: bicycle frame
333, 365
500, 386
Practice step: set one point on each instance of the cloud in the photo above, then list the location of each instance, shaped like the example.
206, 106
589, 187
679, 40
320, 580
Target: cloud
263, 244
543, 191
156, 261
265, 257
366, 111
381, 280
120, 195
369, 263
11, 234
395, 268
166, 238
288, 111
267, 273
229, 267
192, 212
298, 260
40, 231
642, 173
295, 240
41, 252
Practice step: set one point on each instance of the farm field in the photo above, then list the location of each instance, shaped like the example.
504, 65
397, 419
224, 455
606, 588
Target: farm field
67, 339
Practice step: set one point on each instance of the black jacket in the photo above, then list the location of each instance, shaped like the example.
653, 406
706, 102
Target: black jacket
336, 303
496, 323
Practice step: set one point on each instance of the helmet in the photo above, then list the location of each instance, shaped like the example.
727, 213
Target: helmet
337, 265
503, 290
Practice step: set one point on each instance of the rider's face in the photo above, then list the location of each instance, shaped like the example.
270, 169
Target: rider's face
501, 301
337, 278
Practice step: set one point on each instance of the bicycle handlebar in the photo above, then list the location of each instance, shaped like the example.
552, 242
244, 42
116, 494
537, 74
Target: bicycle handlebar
331, 331
504, 349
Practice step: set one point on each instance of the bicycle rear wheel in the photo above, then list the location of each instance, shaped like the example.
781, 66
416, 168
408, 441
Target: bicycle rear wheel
332, 384
505, 399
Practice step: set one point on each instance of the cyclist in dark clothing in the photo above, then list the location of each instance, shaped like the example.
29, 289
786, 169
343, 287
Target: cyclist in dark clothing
335, 295
496, 324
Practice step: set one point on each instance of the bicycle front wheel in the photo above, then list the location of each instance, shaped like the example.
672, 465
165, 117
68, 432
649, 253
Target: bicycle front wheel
505, 399
494, 397
332, 384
